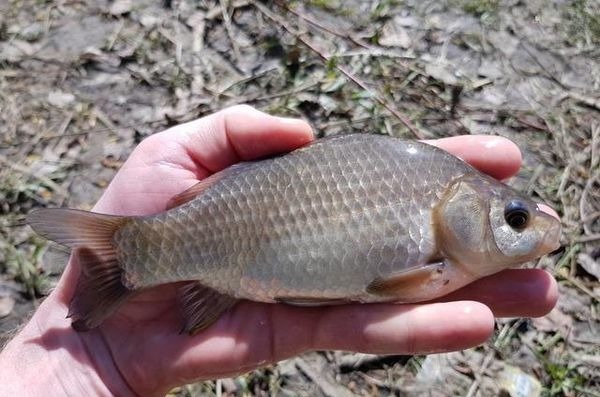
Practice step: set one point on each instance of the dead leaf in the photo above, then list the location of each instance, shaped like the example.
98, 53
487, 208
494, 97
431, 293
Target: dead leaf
442, 72
394, 35
555, 321
111, 162
120, 7
60, 99
589, 264
519, 384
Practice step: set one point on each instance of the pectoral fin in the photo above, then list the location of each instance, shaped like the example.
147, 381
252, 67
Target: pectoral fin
202, 306
410, 285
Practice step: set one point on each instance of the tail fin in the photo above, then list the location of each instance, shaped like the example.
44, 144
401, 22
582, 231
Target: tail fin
99, 290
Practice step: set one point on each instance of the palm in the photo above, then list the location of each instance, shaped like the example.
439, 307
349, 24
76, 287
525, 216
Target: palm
142, 338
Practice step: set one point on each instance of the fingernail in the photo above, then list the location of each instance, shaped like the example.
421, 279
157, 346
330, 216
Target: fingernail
492, 143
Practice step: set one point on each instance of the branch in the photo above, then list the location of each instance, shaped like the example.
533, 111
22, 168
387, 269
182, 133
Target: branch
400, 116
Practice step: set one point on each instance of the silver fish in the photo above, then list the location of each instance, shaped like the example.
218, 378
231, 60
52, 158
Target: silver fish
351, 218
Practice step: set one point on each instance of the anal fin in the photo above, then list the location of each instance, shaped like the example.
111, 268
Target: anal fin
202, 306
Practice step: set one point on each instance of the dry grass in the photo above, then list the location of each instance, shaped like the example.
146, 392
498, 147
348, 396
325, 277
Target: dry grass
81, 85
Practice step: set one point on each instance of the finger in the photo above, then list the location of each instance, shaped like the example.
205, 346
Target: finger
404, 329
278, 332
493, 155
239, 133
513, 293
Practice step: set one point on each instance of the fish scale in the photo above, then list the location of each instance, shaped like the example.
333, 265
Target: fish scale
350, 218
288, 226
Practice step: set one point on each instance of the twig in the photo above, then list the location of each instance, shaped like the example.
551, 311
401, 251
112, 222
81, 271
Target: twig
296, 90
219, 388
336, 123
328, 388
584, 196
403, 119
595, 160
590, 217
475, 385
63, 127
579, 285
355, 360
587, 239
506, 333
247, 79
321, 26
175, 42
381, 384
586, 100
216, 11
588, 359
534, 177
541, 65
574, 249
563, 180
587, 391
530, 124
105, 120
229, 29
374, 53
115, 36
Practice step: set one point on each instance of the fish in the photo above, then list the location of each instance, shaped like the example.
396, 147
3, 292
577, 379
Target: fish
348, 218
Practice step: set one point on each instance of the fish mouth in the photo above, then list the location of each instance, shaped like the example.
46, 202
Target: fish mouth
551, 240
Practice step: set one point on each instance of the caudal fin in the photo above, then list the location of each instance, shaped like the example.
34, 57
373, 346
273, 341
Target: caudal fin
99, 290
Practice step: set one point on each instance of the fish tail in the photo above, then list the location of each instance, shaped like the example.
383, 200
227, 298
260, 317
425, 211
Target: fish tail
99, 290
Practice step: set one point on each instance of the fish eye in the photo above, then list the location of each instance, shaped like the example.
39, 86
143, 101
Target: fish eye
516, 214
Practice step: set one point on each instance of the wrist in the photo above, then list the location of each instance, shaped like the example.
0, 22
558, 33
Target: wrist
48, 358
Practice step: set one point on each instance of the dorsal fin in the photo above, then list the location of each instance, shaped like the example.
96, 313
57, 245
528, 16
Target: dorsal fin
192, 192
197, 189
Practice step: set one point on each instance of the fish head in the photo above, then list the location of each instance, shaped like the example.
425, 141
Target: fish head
487, 226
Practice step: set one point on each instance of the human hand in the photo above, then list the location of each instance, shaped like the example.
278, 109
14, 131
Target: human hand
139, 351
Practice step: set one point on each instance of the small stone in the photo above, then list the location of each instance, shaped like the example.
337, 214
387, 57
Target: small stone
490, 69
394, 35
518, 384
60, 99
32, 32
148, 20
120, 7
229, 385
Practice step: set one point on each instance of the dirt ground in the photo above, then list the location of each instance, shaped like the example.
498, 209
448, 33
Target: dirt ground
81, 84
